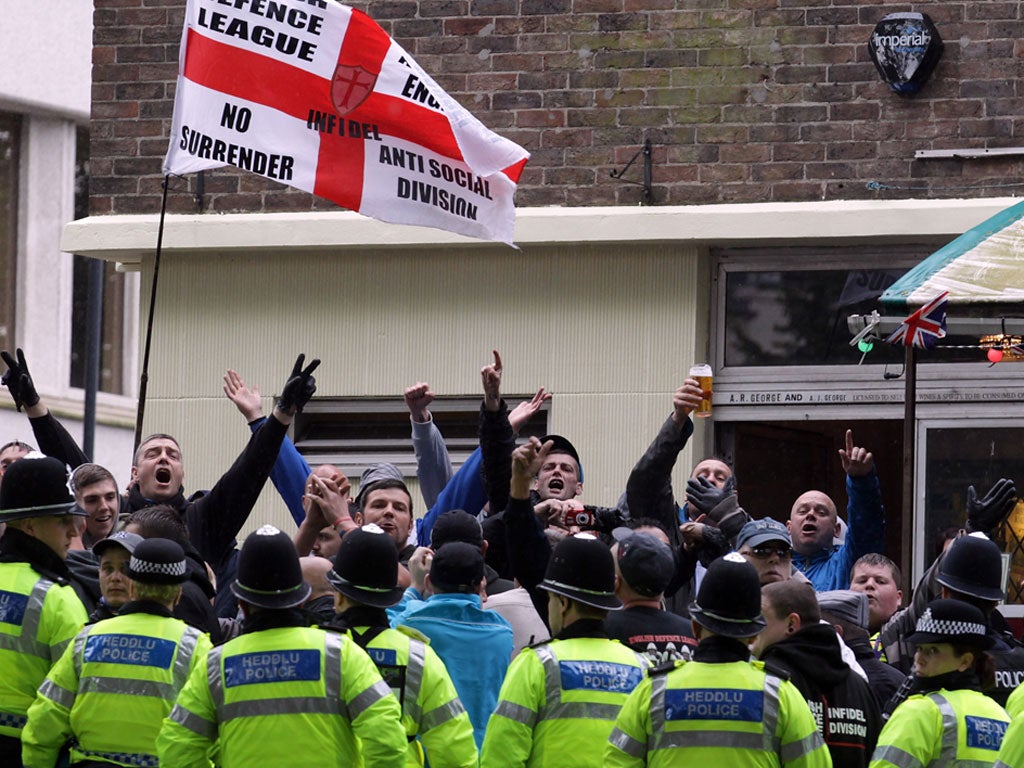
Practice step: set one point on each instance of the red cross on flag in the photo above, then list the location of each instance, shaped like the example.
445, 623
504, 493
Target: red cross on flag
315, 95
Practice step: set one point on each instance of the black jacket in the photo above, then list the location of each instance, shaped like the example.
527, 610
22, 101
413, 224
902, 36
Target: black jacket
842, 702
213, 517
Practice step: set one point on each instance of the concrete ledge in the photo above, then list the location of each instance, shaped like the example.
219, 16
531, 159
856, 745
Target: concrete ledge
130, 239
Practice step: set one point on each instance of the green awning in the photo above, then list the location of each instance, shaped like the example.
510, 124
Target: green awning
984, 266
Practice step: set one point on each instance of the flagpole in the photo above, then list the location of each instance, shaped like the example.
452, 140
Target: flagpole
144, 377
909, 435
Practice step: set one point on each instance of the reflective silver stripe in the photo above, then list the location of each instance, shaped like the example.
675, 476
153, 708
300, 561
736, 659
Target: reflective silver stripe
215, 677
771, 742
414, 682
556, 709
28, 642
141, 760
705, 738
193, 722
516, 712
182, 659
57, 693
440, 715
79, 651
332, 666
589, 710
797, 749
896, 756
292, 705
947, 756
552, 679
25, 644
658, 687
627, 744
766, 741
34, 609
128, 687
366, 699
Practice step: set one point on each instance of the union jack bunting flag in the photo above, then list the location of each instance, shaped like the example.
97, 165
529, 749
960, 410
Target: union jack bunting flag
923, 328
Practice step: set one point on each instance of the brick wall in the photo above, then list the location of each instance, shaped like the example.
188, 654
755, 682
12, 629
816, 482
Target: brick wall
743, 100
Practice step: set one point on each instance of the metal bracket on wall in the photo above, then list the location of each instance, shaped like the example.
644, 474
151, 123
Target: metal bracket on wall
967, 154
645, 150
200, 190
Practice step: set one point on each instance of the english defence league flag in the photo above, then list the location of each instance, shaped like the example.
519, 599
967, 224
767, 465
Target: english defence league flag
314, 94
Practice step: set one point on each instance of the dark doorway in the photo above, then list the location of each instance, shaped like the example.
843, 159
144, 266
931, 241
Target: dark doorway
776, 461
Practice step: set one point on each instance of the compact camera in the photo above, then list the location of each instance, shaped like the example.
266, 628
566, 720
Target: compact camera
582, 518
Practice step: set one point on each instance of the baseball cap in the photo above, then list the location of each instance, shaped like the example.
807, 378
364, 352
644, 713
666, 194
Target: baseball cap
760, 531
646, 564
457, 567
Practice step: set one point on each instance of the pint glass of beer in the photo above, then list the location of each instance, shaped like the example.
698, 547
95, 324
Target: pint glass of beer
702, 373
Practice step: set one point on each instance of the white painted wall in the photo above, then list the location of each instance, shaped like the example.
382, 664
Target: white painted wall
45, 75
46, 57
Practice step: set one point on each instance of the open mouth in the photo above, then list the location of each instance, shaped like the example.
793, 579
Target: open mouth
809, 530
103, 518
163, 475
556, 484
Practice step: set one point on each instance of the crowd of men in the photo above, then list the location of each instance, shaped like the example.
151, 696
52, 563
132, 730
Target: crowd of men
507, 625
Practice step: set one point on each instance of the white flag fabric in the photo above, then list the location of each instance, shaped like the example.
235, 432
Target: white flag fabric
314, 94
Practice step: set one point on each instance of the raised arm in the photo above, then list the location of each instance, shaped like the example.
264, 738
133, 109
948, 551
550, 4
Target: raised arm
50, 435
290, 469
649, 487
865, 515
216, 518
433, 465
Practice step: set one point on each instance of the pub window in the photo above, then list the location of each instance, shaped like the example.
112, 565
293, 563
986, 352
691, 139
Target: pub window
978, 454
352, 433
10, 142
112, 337
790, 309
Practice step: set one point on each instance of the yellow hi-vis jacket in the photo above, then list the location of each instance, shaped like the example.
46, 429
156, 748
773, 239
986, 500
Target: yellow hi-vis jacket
558, 703
285, 697
431, 708
111, 689
1011, 752
38, 618
944, 728
716, 714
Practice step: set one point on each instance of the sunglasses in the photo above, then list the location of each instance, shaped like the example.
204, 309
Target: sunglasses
763, 553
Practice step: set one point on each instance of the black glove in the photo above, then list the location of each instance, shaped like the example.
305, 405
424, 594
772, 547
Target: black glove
986, 514
704, 495
18, 380
299, 388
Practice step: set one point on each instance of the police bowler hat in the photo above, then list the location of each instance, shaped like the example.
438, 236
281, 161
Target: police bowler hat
973, 566
158, 561
36, 487
729, 600
582, 568
366, 568
952, 621
269, 574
